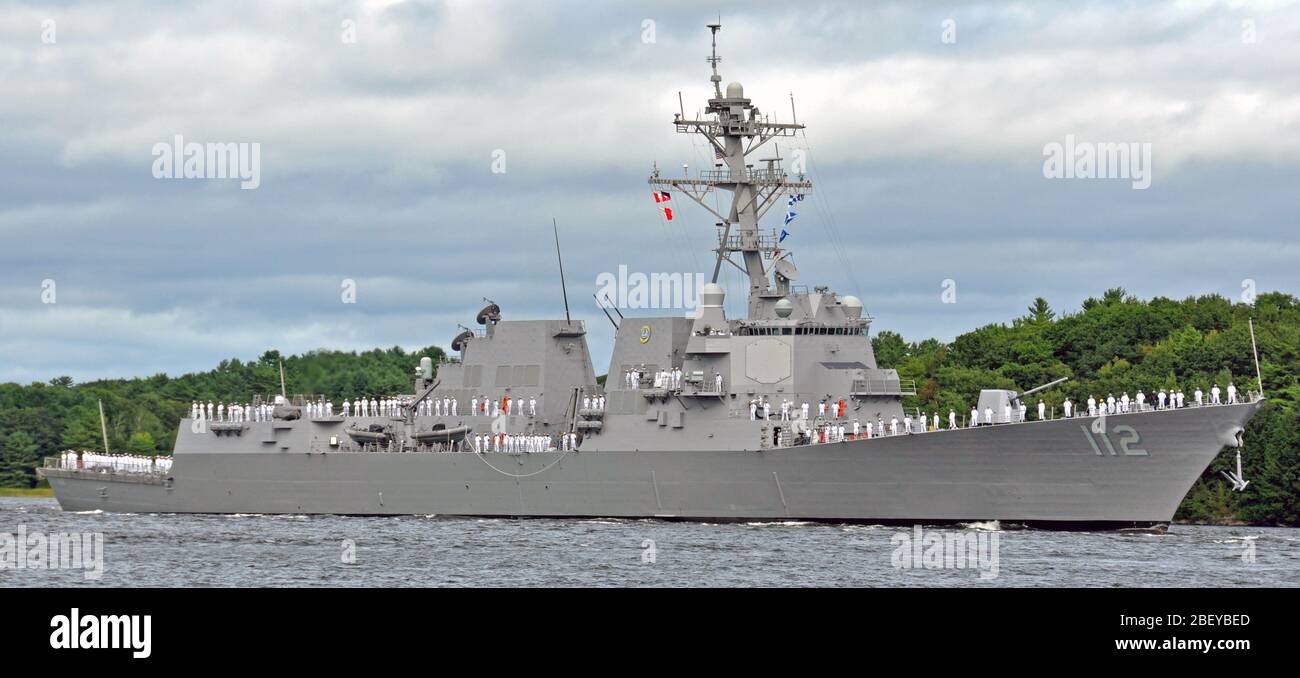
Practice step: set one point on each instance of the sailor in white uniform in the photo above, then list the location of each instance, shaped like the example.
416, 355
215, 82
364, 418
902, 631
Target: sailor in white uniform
1068, 406
952, 420
1232, 393
1042, 410
974, 416
1199, 397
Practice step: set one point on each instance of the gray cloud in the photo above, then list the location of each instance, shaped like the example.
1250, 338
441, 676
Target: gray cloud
376, 163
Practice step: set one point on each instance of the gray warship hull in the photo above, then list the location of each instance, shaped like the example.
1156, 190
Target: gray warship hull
1054, 472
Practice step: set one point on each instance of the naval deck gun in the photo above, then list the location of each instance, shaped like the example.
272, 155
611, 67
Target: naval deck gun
997, 400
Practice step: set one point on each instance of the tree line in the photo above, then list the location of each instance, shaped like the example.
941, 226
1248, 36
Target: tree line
1118, 343
1113, 344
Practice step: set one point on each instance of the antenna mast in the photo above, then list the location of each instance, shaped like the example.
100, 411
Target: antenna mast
1258, 377
734, 127
714, 59
563, 289
103, 427
282, 391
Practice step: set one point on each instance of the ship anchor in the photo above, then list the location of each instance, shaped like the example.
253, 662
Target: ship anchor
1238, 481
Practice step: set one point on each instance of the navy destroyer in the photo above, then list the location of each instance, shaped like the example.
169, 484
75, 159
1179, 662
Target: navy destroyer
781, 414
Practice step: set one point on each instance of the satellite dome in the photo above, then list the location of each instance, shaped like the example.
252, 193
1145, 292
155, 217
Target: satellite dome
784, 308
853, 306
712, 295
735, 91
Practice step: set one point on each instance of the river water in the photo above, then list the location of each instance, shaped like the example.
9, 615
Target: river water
256, 550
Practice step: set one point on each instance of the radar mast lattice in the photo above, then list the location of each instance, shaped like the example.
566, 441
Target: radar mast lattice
735, 128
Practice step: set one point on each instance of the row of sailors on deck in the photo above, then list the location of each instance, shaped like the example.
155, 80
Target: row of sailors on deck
672, 380
669, 379
131, 463
375, 407
446, 406
505, 442
233, 413
830, 432
1164, 400
833, 432
760, 408
593, 402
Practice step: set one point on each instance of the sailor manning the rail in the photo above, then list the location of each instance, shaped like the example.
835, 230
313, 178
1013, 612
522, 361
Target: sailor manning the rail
1042, 410
1067, 406
952, 420
1232, 393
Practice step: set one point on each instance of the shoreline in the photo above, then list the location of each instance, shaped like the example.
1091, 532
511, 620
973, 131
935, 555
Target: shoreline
27, 492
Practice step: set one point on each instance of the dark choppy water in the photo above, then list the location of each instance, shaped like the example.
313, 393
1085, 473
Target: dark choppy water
172, 550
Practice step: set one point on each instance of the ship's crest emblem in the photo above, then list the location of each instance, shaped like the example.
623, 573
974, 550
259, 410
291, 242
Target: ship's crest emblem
645, 334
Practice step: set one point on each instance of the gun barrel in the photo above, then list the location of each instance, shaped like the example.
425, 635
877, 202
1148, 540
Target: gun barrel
1040, 388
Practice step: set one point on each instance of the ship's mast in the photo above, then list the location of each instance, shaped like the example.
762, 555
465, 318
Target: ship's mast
735, 128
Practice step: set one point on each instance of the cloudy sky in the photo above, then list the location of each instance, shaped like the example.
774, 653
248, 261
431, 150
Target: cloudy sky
377, 162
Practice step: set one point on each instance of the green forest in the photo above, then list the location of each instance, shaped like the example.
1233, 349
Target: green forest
1113, 344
